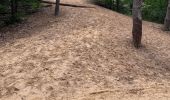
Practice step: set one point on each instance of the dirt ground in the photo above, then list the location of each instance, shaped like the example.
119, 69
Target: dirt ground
84, 54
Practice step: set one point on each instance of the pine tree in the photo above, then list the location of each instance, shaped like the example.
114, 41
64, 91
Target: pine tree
57, 7
167, 18
137, 22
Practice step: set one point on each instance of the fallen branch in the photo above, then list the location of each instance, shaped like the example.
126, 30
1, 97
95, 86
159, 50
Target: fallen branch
47, 5
70, 5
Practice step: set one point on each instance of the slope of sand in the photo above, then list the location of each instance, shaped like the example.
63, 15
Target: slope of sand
84, 54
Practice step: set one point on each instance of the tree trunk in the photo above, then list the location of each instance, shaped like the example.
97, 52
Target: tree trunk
167, 18
113, 2
14, 5
117, 5
137, 22
57, 7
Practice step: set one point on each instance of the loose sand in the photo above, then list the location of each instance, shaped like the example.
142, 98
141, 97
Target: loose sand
84, 54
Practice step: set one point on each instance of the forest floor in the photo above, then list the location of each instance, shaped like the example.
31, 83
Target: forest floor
84, 54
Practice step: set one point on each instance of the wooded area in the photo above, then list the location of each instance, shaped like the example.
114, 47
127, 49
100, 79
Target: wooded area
139, 9
84, 50
118, 5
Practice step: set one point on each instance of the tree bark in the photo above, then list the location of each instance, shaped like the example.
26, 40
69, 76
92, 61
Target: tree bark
117, 5
167, 18
57, 8
14, 5
137, 22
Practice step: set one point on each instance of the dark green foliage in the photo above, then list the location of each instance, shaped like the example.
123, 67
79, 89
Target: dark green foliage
105, 3
4, 4
23, 7
153, 10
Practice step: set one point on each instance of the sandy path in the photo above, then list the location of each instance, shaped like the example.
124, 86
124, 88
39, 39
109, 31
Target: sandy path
84, 54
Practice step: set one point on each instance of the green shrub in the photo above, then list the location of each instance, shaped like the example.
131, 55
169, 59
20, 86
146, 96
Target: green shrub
24, 7
154, 10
